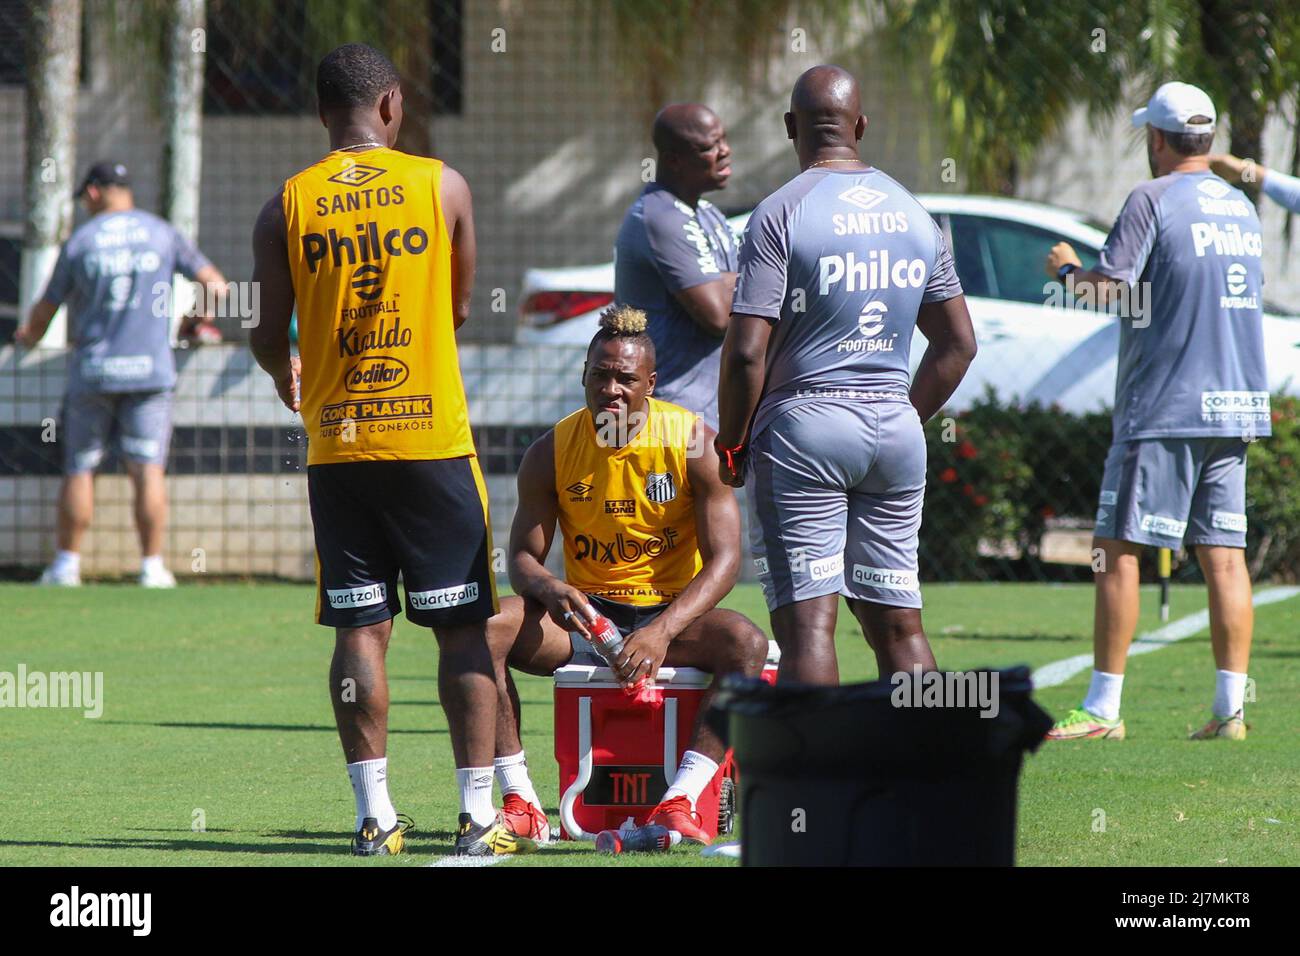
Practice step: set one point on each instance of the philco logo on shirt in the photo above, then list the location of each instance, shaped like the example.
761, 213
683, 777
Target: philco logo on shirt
366, 245
1233, 406
443, 597
1227, 240
877, 271
364, 596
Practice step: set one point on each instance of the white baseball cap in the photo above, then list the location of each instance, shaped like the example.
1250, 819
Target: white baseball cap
1171, 106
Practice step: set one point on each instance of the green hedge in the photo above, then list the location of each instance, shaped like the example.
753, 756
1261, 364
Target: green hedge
998, 473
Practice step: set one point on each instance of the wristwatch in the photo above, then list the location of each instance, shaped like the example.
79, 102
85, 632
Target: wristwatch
1065, 270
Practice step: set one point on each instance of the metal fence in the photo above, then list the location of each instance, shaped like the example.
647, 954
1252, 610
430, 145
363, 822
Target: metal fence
544, 105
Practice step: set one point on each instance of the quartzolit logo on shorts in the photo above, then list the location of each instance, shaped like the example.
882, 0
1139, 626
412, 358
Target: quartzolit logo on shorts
364, 596
443, 597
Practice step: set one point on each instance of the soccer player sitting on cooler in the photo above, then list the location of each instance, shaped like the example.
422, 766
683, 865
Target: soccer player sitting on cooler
651, 541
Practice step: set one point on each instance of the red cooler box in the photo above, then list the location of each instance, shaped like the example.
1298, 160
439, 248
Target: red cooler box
617, 757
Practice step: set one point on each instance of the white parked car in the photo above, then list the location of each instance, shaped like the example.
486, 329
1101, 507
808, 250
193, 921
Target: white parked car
1029, 351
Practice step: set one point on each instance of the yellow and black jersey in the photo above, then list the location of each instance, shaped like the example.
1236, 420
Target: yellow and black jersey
370, 258
627, 515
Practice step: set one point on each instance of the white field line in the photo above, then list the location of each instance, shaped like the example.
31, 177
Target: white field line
1058, 672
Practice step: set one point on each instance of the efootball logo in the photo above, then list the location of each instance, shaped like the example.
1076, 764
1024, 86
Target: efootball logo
660, 488
862, 197
366, 282
357, 175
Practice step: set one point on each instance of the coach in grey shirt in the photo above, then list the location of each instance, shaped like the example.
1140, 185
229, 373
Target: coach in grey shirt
675, 257
1190, 394
837, 269
115, 276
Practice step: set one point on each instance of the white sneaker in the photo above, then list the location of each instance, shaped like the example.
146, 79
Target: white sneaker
60, 579
157, 578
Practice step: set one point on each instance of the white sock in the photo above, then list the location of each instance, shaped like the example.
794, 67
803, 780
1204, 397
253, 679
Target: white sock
475, 784
512, 775
1103, 695
370, 784
152, 563
693, 776
66, 562
1229, 693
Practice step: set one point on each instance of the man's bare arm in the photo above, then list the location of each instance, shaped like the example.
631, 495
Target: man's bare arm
947, 327
717, 527
215, 288
531, 534
38, 322
458, 207
740, 385
709, 303
269, 337
1102, 288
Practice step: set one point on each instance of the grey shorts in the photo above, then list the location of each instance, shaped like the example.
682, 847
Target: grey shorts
137, 424
835, 496
1167, 491
626, 617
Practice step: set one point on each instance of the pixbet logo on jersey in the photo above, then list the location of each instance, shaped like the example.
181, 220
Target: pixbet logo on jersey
877, 271
871, 322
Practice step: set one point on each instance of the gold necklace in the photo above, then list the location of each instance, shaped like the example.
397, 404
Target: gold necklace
826, 162
360, 145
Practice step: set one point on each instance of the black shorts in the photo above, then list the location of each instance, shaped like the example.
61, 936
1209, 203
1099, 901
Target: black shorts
425, 519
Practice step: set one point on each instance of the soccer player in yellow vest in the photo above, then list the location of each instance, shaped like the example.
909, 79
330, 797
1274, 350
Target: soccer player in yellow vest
651, 540
377, 250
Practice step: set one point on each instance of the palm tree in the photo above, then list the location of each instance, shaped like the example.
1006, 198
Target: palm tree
1006, 76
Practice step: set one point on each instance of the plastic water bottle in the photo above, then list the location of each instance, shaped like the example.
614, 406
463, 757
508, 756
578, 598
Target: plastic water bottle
647, 839
607, 639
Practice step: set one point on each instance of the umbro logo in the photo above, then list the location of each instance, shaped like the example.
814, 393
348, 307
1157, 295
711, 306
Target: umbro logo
581, 491
357, 175
1214, 188
863, 197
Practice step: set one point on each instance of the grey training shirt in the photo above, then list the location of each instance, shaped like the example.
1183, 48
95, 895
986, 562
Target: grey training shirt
115, 275
840, 262
665, 246
1191, 360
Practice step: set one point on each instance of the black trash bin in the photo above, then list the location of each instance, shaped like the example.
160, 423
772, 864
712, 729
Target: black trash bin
840, 776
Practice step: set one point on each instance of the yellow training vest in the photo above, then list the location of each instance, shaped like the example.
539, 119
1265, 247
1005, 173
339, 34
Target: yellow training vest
627, 515
370, 258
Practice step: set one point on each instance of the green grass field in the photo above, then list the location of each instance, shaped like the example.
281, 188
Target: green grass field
216, 710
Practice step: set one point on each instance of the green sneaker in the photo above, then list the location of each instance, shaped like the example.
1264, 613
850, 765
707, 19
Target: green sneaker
1080, 724
1229, 728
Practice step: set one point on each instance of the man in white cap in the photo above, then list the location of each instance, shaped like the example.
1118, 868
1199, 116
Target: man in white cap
1190, 393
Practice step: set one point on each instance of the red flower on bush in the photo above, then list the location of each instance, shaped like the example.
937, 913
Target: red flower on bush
948, 475
966, 450
1276, 416
1048, 511
968, 490
981, 501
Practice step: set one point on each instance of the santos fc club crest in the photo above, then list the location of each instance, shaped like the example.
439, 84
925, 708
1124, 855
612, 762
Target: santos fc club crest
660, 488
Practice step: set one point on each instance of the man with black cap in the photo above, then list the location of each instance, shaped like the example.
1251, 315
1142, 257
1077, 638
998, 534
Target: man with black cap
115, 275
1191, 392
